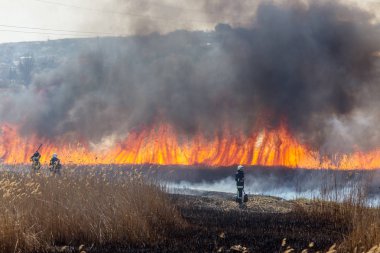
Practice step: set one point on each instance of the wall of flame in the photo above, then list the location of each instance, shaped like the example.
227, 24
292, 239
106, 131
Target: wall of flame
161, 145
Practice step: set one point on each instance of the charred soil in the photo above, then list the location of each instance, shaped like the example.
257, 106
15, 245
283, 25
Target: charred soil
215, 223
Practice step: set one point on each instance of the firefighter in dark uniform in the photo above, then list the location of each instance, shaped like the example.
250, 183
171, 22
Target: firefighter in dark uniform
55, 164
239, 178
35, 159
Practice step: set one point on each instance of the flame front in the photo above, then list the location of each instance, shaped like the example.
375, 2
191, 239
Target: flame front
163, 146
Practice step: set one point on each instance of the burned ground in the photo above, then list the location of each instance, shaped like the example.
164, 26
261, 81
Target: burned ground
215, 223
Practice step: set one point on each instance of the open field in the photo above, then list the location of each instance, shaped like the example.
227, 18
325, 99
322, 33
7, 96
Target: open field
124, 210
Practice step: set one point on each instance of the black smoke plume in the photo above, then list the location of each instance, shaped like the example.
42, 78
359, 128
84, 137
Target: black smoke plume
312, 66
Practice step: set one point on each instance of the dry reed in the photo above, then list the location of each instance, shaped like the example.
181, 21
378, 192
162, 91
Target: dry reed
349, 207
38, 211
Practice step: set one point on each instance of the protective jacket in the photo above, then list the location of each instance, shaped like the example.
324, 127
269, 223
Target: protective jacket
53, 160
35, 156
239, 178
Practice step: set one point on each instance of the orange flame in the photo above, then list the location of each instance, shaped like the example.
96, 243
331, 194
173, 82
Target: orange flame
162, 146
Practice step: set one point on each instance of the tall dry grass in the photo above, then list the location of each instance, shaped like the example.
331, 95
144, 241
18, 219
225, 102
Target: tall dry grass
101, 207
349, 207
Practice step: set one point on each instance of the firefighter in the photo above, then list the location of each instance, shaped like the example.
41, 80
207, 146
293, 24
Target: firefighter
55, 164
239, 178
35, 159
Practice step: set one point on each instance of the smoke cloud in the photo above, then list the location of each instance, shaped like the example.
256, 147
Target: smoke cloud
312, 66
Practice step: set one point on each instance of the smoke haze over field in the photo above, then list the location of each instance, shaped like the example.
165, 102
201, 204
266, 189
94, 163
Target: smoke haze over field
284, 183
312, 66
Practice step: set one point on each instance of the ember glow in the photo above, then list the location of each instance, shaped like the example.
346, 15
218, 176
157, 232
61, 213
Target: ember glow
161, 145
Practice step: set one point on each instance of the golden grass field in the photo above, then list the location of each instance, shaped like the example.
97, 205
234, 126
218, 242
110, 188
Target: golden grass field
40, 211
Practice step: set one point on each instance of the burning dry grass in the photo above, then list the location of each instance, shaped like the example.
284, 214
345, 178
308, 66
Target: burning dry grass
40, 211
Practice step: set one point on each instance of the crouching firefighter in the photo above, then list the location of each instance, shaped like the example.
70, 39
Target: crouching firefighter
239, 178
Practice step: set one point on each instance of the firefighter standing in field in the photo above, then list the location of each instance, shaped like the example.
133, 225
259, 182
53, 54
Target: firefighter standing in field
239, 178
35, 158
55, 164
